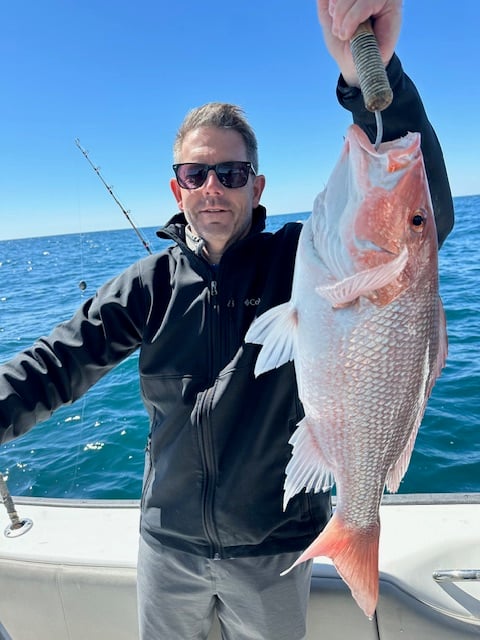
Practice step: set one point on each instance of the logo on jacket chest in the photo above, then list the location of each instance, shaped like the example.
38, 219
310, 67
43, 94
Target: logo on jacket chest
248, 302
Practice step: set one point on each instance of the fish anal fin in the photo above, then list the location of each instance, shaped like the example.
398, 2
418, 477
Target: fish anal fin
307, 468
398, 470
275, 330
354, 553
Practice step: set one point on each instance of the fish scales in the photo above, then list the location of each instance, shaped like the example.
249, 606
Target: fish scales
366, 330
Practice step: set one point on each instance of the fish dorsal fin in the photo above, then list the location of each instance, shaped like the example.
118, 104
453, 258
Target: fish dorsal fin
275, 330
346, 291
307, 468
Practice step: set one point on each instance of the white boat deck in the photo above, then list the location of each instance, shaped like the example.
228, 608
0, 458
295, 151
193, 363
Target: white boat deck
72, 576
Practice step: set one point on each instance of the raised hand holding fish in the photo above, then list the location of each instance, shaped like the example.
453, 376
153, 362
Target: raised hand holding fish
339, 21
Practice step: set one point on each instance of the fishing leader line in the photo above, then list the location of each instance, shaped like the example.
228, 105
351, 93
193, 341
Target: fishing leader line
379, 122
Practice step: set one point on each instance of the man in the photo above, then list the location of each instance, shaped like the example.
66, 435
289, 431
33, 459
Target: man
214, 536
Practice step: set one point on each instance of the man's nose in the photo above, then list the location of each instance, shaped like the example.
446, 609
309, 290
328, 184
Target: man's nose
212, 183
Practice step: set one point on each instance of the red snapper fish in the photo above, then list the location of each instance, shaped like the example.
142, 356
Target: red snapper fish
366, 330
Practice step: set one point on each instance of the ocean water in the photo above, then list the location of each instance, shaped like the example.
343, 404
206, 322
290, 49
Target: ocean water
95, 447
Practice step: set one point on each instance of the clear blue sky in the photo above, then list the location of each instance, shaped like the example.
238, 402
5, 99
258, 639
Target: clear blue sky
121, 74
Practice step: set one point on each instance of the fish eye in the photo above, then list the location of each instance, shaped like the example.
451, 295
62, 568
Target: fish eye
418, 220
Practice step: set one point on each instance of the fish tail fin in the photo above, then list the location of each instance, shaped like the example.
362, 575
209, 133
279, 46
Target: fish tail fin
354, 553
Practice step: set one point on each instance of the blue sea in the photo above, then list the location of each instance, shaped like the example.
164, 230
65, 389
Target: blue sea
95, 447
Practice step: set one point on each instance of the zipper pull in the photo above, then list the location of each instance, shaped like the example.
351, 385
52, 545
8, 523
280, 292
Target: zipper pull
214, 294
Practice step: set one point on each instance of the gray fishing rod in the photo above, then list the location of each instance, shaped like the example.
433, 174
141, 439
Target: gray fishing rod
17, 526
110, 191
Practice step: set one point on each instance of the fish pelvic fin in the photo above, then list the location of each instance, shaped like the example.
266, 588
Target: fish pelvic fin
347, 291
275, 330
354, 553
307, 467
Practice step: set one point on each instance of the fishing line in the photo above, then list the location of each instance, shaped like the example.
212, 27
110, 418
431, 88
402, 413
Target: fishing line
83, 401
82, 285
379, 121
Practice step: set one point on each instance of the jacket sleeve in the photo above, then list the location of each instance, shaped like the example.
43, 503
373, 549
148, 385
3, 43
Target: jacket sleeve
406, 113
61, 367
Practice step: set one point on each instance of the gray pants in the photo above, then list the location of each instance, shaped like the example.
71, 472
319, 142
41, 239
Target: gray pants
178, 594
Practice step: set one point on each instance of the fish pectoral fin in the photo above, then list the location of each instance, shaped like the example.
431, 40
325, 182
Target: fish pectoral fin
347, 291
307, 468
275, 330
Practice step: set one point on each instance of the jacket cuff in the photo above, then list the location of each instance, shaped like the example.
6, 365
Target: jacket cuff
404, 114
351, 97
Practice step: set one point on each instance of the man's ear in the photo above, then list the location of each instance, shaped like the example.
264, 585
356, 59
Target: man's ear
258, 187
177, 192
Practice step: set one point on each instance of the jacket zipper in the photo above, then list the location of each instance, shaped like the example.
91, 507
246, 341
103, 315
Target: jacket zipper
205, 434
214, 292
149, 472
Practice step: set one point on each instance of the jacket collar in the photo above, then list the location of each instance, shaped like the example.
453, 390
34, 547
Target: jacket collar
175, 227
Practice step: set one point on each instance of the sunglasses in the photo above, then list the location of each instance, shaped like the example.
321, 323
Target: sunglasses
233, 174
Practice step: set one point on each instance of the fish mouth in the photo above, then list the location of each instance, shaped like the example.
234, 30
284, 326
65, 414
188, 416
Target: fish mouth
380, 240
368, 252
389, 247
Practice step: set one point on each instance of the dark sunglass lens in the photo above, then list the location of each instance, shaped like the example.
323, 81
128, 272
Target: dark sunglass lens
233, 174
191, 176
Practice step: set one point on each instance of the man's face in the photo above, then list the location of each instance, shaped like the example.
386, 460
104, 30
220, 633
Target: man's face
218, 214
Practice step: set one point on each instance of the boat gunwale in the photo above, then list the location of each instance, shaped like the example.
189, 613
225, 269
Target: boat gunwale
388, 499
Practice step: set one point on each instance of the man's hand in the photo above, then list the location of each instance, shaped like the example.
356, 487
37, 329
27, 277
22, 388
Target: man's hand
339, 20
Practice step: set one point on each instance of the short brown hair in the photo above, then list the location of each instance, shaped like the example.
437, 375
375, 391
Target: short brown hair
221, 115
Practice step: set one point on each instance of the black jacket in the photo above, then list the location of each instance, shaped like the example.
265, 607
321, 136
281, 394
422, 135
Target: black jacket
218, 443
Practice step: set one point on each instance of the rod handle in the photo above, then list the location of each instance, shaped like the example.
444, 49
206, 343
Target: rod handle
374, 84
8, 502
